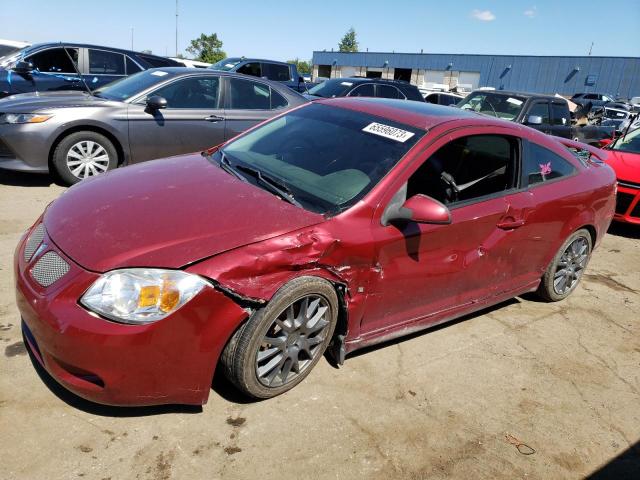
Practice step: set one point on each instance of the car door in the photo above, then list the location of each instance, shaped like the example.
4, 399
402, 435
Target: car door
100, 66
54, 70
539, 108
193, 120
248, 103
429, 270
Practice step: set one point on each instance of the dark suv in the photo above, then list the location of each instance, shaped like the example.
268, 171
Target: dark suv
365, 87
50, 67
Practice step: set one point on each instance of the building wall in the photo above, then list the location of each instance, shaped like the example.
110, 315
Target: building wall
540, 74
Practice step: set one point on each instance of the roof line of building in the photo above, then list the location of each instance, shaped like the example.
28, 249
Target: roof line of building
472, 54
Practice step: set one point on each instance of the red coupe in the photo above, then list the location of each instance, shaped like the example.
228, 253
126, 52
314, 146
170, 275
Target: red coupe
337, 225
624, 158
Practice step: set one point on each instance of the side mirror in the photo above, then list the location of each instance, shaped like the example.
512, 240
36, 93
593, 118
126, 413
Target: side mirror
534, 120
22, 66
420, 209
156, 102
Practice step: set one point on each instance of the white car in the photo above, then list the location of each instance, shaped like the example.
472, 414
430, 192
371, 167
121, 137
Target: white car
191, 63
7, 47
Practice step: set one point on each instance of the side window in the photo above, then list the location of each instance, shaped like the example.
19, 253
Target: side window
277, 100
194, 92
132, 67
55, 60
106, 63
156, 62
541, 110
560, 114
432, 98
248, 95
388, 91
541, 165
365, 90
276, 72
253, 69
467, 168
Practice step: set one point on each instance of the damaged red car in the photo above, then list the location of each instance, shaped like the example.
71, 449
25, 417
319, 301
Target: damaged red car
624, 158
337, 225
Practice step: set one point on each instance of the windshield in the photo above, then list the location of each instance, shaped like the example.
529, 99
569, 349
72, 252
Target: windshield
328, 158
629, 143
7, 50
226, 64
9, 58
331, 88
128, 87
506, 107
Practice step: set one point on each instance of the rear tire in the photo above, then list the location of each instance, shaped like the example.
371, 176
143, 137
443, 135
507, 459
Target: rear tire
276, 348
83, 155
566, 269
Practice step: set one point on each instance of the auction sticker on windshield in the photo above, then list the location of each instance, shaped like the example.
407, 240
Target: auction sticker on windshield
387, 131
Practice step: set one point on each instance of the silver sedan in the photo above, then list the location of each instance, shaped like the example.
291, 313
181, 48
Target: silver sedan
152, 114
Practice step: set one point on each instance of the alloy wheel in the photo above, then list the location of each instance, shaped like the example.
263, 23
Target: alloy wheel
293, 341
87, 158
571, 266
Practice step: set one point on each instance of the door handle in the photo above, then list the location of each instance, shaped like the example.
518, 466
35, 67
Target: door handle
510, 223
213, 118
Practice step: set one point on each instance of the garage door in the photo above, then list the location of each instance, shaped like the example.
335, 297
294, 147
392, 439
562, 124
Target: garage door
347, 72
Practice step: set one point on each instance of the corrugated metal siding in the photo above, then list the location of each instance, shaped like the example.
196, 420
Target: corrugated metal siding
615, 75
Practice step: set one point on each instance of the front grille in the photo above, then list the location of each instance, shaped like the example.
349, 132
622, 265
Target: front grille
33, 242
49, 269
625, 183
636, 210
5, 151
623, 201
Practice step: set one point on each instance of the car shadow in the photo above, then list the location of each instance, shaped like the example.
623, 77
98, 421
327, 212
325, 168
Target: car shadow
24, 179
87, 406
622, 467
626, 230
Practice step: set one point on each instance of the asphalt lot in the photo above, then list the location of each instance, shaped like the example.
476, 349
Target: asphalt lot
524, 390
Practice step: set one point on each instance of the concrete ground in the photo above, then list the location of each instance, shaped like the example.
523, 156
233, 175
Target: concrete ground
524, 390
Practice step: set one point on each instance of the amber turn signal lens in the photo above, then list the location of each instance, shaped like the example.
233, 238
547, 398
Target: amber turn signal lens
170, 296
149, 296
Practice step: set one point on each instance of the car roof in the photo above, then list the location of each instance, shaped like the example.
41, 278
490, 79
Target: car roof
36, 46
251, 59
416, 114
518, 94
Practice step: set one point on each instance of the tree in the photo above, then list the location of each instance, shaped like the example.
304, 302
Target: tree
349, 42
303, 66
207, 48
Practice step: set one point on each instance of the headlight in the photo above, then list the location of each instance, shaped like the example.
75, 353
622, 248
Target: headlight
141, 295
15, 118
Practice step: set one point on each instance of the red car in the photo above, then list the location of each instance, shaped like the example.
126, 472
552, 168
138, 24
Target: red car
624, 158
337, 225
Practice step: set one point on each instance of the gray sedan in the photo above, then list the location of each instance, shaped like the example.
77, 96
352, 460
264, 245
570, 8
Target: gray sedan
152, 114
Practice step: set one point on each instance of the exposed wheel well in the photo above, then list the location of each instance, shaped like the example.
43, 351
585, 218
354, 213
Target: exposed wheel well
592, 231
86, 128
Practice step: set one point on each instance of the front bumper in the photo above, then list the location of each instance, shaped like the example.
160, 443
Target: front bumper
169, 361
628, 202
25, 148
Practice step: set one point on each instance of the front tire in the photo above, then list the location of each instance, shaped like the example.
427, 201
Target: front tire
566, 268
278, 346
82, 155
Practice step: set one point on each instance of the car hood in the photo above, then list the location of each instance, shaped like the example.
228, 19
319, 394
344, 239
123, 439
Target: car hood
30, 102
166, 213
625, 164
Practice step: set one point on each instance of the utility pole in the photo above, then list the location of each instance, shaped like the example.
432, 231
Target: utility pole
131, 38
176, 28
590, 48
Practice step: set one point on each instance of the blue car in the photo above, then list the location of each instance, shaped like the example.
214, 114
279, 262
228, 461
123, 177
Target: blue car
48, 67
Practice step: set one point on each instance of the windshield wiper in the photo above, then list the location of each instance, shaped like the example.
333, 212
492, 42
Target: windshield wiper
224, 164
273, 185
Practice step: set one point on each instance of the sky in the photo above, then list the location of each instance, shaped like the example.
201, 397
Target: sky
287, 30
